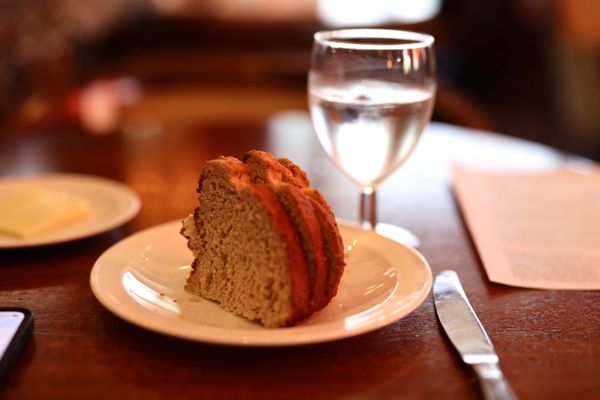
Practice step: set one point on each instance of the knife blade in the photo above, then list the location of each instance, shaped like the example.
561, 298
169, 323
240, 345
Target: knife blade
468, 336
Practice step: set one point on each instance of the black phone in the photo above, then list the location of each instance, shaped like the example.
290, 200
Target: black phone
16, 328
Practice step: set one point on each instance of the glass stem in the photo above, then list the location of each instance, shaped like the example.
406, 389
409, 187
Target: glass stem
368, 208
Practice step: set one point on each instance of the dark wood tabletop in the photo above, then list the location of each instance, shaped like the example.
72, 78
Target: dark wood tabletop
548, 341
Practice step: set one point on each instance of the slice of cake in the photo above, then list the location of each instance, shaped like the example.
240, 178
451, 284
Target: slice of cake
265, 245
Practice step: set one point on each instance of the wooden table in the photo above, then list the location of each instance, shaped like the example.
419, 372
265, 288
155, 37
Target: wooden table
548, 341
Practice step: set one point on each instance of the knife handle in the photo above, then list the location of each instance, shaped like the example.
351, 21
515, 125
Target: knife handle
493, 384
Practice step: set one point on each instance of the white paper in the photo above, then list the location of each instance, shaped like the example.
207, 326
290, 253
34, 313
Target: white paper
535, 230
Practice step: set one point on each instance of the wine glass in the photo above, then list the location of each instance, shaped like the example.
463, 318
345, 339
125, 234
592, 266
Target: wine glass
371, 96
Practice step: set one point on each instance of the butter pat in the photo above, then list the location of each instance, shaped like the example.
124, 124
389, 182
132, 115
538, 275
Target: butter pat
34, 211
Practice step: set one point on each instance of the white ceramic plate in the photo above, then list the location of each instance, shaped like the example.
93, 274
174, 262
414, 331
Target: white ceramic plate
111, 204
141, 279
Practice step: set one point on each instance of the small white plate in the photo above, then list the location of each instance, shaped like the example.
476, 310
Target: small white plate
111, 204
141, 279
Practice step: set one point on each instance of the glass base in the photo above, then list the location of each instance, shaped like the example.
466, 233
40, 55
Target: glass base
398, 234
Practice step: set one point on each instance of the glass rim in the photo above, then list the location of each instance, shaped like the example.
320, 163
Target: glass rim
417, 39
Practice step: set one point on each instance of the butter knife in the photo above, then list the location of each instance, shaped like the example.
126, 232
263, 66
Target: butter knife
468, 335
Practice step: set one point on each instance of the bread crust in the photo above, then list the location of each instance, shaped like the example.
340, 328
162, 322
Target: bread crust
288, 186
333, 240
265, 168
309, 229
296, 259
334, 245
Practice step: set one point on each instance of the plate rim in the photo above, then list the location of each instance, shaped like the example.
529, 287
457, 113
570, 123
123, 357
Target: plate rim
287, 336
133, 198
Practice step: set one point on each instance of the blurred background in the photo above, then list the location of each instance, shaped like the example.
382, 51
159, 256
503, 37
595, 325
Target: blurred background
526, 68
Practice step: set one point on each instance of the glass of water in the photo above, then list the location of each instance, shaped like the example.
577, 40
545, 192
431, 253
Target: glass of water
371, 96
